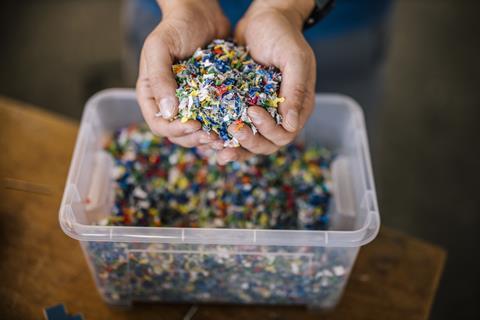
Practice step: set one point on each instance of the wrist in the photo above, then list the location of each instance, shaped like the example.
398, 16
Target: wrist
296, 11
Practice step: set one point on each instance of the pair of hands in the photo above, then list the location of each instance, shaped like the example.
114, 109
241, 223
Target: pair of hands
271, 29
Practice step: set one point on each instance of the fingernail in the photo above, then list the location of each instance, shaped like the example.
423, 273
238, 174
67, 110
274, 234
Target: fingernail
256, 118
167, 107
291, 120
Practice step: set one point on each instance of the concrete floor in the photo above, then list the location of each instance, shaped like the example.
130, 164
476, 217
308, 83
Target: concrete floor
55, 54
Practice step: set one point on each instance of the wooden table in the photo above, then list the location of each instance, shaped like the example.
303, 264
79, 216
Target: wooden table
395, 277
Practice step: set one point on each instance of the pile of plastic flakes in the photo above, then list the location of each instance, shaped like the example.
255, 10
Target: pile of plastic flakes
157, 183
218, 84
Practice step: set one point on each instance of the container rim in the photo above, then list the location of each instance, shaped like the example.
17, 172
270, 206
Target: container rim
312, 238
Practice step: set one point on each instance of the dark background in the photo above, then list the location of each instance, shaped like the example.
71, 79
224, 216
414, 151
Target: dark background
55, 54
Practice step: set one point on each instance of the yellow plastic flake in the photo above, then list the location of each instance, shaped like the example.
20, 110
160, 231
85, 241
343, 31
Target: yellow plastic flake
230, 54
314, 170
274, 102
176, 68
239, 124
184, 119
153, 211
280, 161
182, 183
184, 209
310, 154
263, 219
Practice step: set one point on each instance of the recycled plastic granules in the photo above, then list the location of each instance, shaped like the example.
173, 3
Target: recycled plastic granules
218, 84
158, 183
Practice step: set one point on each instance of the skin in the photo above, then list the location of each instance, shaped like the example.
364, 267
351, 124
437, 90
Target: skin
271, 29
186, 26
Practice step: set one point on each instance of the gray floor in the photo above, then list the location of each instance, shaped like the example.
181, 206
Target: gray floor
57, 53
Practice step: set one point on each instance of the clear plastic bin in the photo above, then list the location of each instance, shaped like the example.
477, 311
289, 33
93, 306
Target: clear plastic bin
198, 265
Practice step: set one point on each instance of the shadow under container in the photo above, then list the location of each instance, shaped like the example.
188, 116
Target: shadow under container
240, 266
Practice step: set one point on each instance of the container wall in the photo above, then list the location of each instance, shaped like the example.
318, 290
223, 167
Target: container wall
336, 124
128, 272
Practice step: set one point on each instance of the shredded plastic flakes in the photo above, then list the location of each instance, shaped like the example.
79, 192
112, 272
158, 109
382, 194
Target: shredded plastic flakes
218, 84
158, 183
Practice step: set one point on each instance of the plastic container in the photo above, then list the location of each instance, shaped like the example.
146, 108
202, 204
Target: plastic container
197, 265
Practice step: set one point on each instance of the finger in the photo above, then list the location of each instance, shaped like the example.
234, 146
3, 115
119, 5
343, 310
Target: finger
146, 101
232, 154
205, 151
222, 27
268, 128
158, 125
254, 143
294, 88
204, 148
193, 139
217, 145
177, 129
240, 32
158, 67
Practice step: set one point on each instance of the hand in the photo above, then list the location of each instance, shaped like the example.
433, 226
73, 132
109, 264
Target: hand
272, 30
186, 26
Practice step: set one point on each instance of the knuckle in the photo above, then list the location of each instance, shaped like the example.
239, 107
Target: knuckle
283, 141
298, 94
299, 91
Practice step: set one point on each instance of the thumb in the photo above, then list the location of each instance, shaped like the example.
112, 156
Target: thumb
294, 88
159, 60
